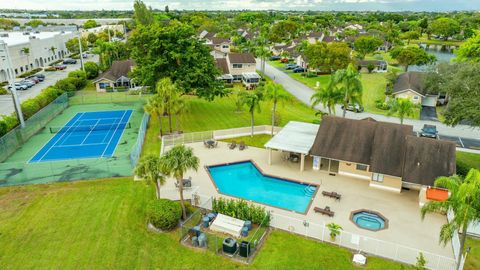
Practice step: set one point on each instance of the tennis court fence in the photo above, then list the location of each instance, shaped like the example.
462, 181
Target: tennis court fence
14, 139
138, 146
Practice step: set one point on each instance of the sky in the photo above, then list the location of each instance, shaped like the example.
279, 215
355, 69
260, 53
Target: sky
384, 5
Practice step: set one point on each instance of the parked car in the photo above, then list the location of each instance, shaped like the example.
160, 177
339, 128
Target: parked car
429, 131
59, 67
84, 55
69, 61
354, 108
33, 79
19, 86
299, 70
284, 60
291, 66
28, 83
275, 58
41, 77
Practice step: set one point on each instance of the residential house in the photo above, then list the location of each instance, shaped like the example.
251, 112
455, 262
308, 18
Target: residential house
387, 155
376, 65
238, 67
315, 37
116, 78
411, 85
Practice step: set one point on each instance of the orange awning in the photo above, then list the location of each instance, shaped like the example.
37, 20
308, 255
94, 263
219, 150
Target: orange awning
436, 194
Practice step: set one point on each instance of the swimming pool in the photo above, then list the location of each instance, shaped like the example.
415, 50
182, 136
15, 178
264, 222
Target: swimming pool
244, 180
369, 220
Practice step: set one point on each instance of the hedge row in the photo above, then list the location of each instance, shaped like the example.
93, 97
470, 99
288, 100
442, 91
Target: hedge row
76, 80
28, 73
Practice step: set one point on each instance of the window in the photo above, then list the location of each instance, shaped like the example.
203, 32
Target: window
103, 85
237, 65
415, 97
377, 177
21, 69
361, 167
225, 46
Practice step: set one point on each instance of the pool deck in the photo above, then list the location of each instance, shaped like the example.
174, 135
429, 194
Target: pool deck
401, 209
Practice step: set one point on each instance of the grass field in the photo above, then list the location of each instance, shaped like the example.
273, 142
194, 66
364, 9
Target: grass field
101, 225
470, 159
473, 258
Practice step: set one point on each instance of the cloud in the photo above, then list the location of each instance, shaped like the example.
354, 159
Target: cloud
387, 5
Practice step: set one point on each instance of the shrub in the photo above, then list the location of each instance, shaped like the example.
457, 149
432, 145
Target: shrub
51, 93
91, 70
382, 105
66, 85
28, 73
370, 68
11, 121
164, 214
242, 210
30, 107
3, 91
79, 78
50, 69
462, 168
3, 128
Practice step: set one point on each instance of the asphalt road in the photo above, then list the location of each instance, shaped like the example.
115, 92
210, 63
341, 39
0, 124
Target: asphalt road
303, 93
6, 101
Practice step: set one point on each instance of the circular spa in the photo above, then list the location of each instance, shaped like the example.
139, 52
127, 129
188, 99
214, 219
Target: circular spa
369, 220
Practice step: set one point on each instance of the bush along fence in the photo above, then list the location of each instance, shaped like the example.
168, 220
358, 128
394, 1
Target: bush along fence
242, 210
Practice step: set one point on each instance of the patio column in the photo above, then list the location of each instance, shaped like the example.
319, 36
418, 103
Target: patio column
269, 156
302, 162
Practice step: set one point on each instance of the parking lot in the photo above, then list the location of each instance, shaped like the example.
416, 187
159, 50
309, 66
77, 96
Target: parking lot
6, 103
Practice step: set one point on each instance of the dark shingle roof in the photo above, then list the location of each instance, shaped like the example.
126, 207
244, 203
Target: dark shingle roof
241, 58
413, 80
217, 40
426, 159
118, 69
328, 39
222, 65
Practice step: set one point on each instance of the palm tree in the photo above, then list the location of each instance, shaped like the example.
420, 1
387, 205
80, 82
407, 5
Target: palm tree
169, 94
155, 107
179, 106
262, 52
402, 107
328, 97
149, 169
26, 51
348, 82
251, 99
276, 93
175, 163
463, 202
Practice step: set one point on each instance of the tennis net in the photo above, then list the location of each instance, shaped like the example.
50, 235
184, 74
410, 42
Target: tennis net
88, 128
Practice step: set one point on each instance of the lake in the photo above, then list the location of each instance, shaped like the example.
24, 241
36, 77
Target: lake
443, 54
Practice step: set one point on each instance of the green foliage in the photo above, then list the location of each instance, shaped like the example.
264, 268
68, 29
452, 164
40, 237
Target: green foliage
67, 84
72, 45
91, 69
34, 23
30, 72
444, 27
164, 214
469, 51
92, 38
283, 31
382, 105
90, 24
366, 44
402, 107
242, 210
173, 51
30, 107
148, 168
348, 82
3, 128
8, 23
421, 262
370, 68
142, 14
328, 57
335, 229
407, 56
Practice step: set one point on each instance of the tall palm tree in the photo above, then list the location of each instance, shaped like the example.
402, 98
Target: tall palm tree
262, 52
328, 97
169, 94
463, 201
275, 93
251, 99
155, 107
401, 107
179, 106
348, 82
26, 51
175, 163
148, 168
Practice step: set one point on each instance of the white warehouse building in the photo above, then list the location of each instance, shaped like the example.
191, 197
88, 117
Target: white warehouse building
43, 48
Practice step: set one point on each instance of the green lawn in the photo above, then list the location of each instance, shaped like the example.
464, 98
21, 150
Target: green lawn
255, 141
473, 259
424, 40
101, 225
470, 159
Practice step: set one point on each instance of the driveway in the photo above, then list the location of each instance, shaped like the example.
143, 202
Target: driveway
428, 113
303, 93
6, 102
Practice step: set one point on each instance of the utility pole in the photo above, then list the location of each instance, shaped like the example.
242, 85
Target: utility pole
81, 51
11, 81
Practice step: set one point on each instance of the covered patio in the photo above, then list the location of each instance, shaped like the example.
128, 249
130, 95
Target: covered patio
296, 138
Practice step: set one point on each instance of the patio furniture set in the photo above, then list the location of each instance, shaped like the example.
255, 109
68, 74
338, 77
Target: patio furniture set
241, 145
327, 211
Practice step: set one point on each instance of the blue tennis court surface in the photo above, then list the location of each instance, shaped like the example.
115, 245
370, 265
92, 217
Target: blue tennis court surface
86, 135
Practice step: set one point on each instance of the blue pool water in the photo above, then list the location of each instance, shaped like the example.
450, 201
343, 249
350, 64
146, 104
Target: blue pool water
369, 221
245, 181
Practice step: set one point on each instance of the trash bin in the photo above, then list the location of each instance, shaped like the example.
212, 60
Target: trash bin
195, 241
202, 240
248, 224
245, 249
244, 232
229, 245
205, 222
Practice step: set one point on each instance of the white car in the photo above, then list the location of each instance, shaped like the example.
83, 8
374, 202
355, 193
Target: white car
18, 86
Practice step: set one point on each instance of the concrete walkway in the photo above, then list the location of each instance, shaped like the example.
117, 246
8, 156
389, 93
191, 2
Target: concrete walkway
303, 93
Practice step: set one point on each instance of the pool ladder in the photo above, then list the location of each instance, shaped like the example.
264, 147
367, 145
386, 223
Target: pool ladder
309, 190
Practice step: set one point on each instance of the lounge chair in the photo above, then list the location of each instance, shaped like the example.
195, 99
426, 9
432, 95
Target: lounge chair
215, 145
324, 211
242, 146
205, 143
333, 194
232, 145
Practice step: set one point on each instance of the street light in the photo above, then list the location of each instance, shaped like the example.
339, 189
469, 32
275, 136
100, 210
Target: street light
81, 51
5, 56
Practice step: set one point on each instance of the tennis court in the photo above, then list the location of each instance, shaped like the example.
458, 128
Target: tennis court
85, 135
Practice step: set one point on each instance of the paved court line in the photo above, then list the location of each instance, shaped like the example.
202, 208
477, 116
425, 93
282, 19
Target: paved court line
77, 145
90, 132
121, 134
108, 132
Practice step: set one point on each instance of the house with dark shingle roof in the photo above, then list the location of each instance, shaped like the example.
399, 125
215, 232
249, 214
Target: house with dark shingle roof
411, 85
238, 67
116, 77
